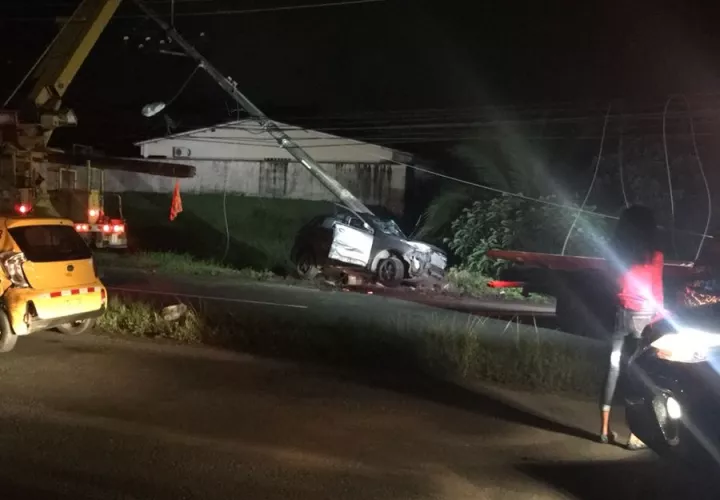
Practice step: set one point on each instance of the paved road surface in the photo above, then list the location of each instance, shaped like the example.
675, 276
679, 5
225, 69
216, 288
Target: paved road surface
93, 417
331, 306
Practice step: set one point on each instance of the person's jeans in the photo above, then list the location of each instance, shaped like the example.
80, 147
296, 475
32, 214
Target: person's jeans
629, 326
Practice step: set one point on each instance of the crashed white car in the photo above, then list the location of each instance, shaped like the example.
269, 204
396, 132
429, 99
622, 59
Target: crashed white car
377, 245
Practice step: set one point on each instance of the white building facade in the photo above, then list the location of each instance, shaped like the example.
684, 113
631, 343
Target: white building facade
240, 158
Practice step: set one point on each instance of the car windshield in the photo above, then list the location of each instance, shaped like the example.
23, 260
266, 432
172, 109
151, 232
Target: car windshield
388, 227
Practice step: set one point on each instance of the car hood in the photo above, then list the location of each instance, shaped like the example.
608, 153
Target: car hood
424, 247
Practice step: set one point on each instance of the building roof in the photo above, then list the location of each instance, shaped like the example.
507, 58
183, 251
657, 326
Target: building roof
235, 132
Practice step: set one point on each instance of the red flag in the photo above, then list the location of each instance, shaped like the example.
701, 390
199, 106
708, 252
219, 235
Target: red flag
176, 203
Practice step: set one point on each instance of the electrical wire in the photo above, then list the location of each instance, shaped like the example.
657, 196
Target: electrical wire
182, 87
704, 177
501, 191
225, 214
669, 175
592, 182
621, 166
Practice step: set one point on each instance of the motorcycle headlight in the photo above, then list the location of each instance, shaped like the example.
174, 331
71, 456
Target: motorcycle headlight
686, 346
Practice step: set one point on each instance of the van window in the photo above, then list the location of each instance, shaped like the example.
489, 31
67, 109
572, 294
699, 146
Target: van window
50, 243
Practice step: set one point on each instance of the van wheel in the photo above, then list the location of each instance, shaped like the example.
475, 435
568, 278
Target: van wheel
76, 327
8, 339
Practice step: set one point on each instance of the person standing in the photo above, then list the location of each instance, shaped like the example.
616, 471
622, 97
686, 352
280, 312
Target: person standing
637, 265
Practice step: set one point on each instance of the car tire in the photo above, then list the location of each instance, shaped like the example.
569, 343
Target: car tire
306, 266
77, 327
8, 339
390, 271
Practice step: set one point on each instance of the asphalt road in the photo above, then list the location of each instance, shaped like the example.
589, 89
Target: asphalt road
95, 417
296, 302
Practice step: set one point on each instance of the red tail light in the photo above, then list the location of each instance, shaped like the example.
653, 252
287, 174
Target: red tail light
103, 295
118, 228
22, 208
82, 228
107, 228
93, 212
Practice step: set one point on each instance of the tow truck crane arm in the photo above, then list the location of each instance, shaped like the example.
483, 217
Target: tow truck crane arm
50, 79
63, 60
67, 54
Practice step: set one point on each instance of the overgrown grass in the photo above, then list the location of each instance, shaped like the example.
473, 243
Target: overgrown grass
476, 285
172, 263
522, 362
261, 230
472, 351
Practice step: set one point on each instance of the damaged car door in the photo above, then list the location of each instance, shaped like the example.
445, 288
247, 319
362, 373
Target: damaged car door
352, 242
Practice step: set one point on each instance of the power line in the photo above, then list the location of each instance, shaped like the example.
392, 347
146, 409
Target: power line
669, 176
592, 182
508, 193
430, 127
621, 166
704, 177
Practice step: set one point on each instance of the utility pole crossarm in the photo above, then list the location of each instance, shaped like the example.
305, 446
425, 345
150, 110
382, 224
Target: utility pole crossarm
285, 142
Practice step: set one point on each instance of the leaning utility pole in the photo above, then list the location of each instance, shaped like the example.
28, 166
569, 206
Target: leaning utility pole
266, 123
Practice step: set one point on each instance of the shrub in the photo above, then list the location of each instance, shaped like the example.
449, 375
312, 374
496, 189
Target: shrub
508, 222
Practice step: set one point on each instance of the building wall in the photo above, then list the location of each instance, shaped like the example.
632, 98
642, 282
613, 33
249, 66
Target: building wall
372, 183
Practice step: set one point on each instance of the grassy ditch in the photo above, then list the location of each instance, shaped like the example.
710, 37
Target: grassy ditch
467, 350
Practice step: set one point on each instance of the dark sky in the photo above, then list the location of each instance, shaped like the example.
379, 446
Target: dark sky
395, 62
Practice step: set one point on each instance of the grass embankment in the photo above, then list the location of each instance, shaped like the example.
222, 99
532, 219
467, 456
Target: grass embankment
261, 230
471, 351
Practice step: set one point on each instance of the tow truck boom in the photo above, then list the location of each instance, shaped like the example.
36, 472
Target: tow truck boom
62, 61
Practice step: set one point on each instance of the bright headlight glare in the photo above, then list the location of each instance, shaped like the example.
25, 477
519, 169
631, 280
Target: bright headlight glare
673, 408
686, 346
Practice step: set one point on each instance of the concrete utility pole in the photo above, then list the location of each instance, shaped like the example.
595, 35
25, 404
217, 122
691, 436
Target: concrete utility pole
285, 142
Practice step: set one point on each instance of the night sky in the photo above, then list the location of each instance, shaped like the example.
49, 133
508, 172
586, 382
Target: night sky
421, 69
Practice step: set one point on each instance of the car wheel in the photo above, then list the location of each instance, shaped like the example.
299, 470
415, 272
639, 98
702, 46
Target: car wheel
8, 339
390, 271
306, 266
76, 327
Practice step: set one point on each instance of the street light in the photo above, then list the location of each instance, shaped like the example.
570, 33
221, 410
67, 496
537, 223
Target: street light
152, 109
